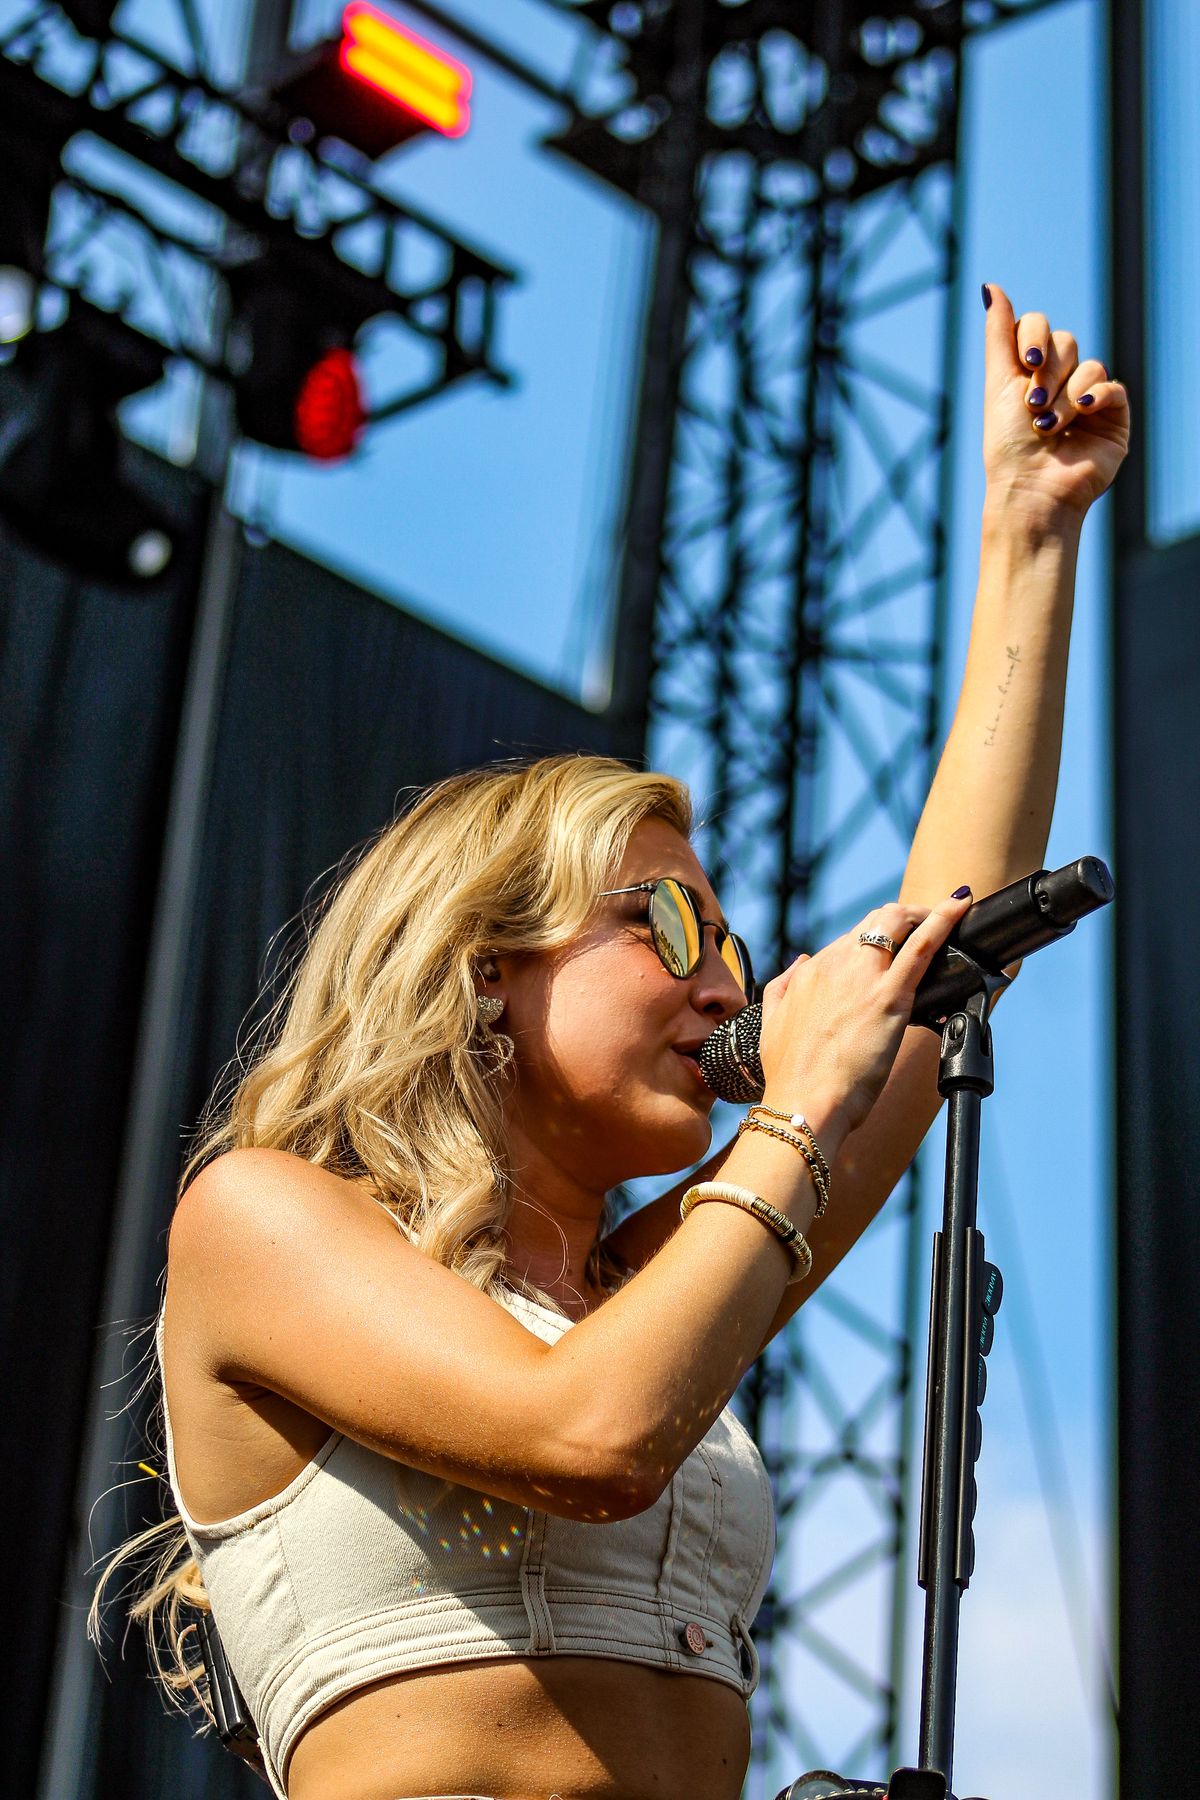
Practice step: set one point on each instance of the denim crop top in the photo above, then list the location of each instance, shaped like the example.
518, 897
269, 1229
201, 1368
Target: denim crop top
362, 1567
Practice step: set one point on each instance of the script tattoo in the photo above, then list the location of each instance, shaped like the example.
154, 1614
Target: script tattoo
1013, 652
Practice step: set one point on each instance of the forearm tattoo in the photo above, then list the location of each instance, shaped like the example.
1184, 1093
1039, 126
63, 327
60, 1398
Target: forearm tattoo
1013, 652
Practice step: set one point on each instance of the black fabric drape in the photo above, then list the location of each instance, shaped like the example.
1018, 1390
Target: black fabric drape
90, 682
1157, 1119
334, 702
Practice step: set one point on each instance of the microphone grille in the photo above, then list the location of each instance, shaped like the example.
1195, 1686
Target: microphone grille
729, 1060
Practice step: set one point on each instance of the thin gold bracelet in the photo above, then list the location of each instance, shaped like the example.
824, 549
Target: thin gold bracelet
798, 1122
788, 1234
797, 1143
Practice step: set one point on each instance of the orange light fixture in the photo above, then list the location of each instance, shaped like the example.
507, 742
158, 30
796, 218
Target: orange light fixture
405, 69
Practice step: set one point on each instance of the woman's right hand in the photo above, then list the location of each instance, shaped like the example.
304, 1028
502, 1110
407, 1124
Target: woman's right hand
833, 1022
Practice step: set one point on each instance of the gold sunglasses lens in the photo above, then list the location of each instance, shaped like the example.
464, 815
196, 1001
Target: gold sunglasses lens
731, 957
674, 928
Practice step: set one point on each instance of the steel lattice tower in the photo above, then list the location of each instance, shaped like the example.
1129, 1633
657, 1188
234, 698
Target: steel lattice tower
778, 644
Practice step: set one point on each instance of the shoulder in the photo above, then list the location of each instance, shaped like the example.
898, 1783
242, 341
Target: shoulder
257, 1229
286, 1278
263, 1192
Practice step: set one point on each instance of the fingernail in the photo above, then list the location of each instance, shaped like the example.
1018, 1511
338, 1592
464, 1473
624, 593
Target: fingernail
1036, 397
1086, 400
960, 893
1107, 376
1034, 358
1046, 421
986, 291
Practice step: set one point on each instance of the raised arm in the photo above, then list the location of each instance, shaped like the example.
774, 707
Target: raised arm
986, 821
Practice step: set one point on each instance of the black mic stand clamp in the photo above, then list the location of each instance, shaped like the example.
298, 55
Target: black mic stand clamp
966, 1293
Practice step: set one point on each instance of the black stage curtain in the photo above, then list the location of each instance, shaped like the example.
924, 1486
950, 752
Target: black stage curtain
1156, 1111
334, 703
90, 683
1157, 1247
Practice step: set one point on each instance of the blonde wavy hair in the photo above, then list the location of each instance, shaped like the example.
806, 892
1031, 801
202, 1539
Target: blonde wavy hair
371, 1062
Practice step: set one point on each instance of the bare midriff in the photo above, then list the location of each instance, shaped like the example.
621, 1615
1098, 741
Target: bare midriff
526, 1729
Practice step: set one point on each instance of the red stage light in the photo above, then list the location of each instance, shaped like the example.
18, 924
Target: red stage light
404, 68
329, 413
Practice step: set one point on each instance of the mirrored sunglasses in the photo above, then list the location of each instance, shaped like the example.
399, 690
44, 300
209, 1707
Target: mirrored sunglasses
677, 932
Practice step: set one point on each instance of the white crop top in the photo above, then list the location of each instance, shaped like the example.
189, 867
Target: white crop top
363, 1567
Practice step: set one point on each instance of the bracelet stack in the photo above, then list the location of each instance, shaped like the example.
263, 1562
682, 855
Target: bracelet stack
750, 1202
801, 1138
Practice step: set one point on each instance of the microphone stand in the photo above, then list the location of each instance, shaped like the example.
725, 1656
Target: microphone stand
966, 1293
965, 1297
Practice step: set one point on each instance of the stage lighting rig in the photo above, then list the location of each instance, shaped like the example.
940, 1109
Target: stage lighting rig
291, 357
375, 87
279, 191
66, 484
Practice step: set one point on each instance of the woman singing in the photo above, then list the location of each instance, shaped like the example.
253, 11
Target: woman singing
455, 1469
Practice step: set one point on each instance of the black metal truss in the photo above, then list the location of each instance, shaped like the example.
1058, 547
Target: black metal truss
778, 644
247, 192
795, 681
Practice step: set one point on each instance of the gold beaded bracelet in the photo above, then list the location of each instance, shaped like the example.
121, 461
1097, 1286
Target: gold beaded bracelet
798, 1122
788, 1234
797, 1143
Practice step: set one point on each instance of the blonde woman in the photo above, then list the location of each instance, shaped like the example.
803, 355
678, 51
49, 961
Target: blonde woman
455, 1469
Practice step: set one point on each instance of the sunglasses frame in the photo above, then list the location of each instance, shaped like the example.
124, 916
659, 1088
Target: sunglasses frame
722, 932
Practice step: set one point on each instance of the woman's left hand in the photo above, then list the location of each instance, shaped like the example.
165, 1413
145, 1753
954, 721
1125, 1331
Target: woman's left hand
1055, 429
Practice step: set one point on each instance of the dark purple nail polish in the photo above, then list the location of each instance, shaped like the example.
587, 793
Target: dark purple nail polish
986, 291
1107, 376
1036, 397
960, 893
1034, 358
1045, 421
1086, 400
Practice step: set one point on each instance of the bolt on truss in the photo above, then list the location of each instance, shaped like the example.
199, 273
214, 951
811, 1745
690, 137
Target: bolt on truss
778, 644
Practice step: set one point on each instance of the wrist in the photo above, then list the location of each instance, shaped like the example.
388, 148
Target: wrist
775, 1171
1015, 515
826, 1117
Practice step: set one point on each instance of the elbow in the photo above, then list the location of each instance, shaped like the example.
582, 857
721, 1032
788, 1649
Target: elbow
632, 1490
605, 1480
619, 1488
613, 1453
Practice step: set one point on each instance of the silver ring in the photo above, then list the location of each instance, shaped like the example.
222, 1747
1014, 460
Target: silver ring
879, 939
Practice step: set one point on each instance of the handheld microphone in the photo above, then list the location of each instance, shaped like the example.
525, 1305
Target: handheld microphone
1000, 928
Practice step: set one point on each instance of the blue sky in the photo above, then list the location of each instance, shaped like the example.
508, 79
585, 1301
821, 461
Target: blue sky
491, 512
1173, 274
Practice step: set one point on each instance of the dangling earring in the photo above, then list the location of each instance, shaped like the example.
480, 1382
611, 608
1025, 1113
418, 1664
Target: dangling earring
490, 1007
